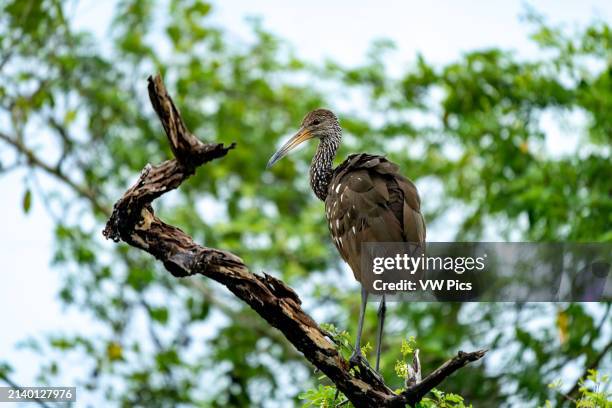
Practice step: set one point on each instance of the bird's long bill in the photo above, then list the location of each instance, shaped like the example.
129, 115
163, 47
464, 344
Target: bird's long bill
301, 136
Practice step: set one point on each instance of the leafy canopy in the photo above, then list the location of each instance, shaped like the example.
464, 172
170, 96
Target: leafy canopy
475, 134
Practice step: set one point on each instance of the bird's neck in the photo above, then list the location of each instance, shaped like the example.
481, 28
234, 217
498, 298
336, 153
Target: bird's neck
321, 168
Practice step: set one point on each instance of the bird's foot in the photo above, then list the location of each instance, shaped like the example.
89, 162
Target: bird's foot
358, 360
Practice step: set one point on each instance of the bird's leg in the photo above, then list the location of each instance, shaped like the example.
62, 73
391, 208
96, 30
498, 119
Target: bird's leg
356, 356
381, 324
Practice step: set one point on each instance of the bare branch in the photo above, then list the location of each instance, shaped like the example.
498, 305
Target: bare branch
415, 393
14, 385
134, 222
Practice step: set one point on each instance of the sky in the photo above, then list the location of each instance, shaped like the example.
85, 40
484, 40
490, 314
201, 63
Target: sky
317, 29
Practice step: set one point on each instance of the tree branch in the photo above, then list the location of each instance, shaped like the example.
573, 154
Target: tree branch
14, 385
34, 160
415, 393
134, 222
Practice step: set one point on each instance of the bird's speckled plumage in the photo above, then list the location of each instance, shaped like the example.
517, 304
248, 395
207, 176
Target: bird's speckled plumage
369, 201
366, 198
325, 126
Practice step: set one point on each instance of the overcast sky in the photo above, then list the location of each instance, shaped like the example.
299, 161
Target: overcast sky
441, 30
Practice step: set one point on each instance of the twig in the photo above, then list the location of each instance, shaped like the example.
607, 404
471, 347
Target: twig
415, 393
13, 384
36, 161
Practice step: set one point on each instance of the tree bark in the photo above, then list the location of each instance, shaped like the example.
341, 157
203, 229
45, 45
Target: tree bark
134, 222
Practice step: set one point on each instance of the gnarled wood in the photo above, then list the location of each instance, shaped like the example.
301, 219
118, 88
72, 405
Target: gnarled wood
134, 222
416, 392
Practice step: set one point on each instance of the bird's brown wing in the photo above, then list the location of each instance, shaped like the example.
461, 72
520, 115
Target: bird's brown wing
369, 201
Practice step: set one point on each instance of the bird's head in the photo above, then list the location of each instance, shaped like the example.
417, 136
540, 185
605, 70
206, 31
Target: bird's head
320, 124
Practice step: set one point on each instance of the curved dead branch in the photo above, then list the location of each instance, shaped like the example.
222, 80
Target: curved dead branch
134, 222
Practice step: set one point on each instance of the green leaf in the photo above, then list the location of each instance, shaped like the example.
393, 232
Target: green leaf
159, 314
27, 201
70, 116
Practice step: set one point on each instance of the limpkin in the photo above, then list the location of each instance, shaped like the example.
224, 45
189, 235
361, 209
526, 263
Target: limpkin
366, 200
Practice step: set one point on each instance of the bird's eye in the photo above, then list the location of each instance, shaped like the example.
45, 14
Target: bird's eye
316, 122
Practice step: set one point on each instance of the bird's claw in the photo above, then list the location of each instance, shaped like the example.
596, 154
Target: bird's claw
358, 360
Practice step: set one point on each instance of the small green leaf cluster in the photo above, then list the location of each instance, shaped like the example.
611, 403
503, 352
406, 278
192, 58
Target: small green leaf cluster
593, 391
327, 396
442, 400
407, 349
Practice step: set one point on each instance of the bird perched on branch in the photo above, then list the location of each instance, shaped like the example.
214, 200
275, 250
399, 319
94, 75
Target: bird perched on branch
366, 200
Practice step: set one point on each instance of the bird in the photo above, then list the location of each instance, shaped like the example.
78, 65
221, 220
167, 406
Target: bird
366, 200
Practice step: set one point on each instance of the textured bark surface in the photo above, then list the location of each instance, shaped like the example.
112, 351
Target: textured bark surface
134, 222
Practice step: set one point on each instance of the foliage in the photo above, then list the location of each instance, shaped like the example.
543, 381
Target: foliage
593, 391
595, 394
475, 134
322, 397
442, 400
401, 366
327, 396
